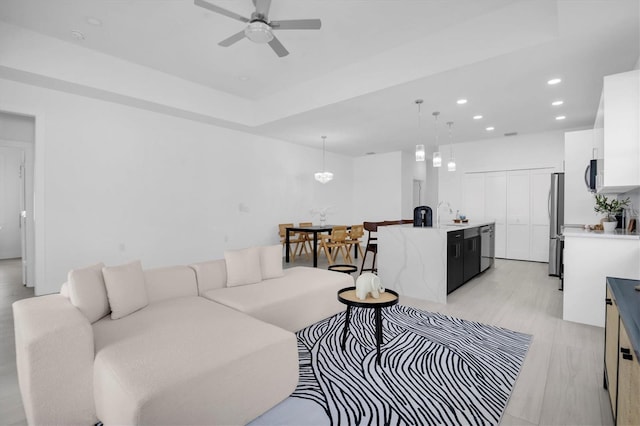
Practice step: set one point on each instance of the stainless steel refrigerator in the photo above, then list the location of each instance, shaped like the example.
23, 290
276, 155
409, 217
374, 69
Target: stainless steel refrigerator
556, 220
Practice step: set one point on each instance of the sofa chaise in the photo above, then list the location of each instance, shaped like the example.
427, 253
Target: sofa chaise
208, 343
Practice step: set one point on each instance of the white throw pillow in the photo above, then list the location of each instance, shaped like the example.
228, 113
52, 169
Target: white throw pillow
87, 291
271, 262
126, 288
243, 266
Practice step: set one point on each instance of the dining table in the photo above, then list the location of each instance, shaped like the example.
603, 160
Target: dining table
315, 230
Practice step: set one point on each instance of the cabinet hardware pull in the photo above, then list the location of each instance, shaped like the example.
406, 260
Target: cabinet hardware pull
608, 301
627, 357
625, 351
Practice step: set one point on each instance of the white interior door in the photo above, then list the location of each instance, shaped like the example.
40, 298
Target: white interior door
10, 197
473, 196
518, 215
495, 207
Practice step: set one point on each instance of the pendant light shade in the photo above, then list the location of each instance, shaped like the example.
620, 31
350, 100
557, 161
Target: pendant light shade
420, 153
324, 176
437, 158
451, 164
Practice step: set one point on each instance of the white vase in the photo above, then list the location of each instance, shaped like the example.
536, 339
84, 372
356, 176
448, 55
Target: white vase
609, 226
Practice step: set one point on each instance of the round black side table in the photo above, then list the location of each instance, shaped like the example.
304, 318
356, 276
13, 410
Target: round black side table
347, 269
349, 298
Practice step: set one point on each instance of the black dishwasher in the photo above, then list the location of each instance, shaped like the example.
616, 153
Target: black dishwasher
471, 253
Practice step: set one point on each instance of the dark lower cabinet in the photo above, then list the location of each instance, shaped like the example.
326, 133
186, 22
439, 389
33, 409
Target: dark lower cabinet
455, 260
463, 257
471, 257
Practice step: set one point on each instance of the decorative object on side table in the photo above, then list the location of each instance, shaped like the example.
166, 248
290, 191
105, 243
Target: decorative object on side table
610, 208
368, 283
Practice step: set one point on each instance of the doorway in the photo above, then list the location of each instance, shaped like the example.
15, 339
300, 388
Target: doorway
17, 238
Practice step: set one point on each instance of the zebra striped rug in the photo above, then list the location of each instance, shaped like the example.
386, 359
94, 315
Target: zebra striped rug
435, 369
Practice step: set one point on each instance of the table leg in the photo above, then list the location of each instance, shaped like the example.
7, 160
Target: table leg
315, 249
378, 313
345, 330
286, 256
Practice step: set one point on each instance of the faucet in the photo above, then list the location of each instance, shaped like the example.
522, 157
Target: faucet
442, 203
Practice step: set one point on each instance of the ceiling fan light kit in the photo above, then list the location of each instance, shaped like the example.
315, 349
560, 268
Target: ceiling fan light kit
259, 29
258, 32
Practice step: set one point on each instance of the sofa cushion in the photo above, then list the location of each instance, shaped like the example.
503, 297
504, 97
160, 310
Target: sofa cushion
190, 361
243, 266
87, 291
210, 274
126, 288
300, 298
271, 262
170, 282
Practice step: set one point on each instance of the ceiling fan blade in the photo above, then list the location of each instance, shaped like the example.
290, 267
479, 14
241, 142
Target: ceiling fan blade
220, 10
262, 7
296, 24
278, 47
233, 39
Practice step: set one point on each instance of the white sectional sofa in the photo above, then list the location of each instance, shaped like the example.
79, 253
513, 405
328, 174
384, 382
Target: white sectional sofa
209, 343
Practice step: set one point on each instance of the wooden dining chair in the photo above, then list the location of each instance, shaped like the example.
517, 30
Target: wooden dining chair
353, 238
306, 238
294, 239
336, 242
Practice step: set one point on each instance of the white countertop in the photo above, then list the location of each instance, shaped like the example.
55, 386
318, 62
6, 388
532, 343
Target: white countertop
448, 226
585, 233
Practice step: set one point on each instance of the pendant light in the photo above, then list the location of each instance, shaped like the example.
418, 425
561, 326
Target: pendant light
437, 159
323, 176
451, 165
420, 155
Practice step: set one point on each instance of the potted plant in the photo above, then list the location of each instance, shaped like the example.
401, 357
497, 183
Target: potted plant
610, 208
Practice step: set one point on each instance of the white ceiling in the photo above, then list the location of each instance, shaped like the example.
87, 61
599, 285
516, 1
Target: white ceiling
356, 79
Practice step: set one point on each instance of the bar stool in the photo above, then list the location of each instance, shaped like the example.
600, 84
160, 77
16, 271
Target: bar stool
372, 245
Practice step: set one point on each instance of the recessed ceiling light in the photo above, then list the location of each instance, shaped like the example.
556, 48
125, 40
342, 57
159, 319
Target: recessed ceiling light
490, 129
77, 35
554, 81
461, 101
243, 78
557, 103
94, 21
560, 117
477, 117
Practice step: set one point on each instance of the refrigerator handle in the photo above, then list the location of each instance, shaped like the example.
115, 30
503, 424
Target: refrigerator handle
549, 204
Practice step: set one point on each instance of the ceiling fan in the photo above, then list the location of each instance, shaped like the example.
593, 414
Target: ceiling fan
259, 28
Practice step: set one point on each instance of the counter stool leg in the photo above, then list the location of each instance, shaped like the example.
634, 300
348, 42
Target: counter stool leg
345, 330
378, 313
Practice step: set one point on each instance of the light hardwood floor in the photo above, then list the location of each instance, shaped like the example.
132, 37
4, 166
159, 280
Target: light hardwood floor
561, 379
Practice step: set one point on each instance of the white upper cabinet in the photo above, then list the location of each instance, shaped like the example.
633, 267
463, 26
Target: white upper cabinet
620, 108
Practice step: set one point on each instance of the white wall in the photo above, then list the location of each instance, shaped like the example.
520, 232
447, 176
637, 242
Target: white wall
116, 183
10, 187
377, 190
527, 151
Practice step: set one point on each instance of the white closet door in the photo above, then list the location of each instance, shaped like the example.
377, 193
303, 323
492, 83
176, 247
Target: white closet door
495, 207
518, 215
540, 185
473, 196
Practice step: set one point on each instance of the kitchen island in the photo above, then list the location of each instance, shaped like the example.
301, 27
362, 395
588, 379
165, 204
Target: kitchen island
421, 262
